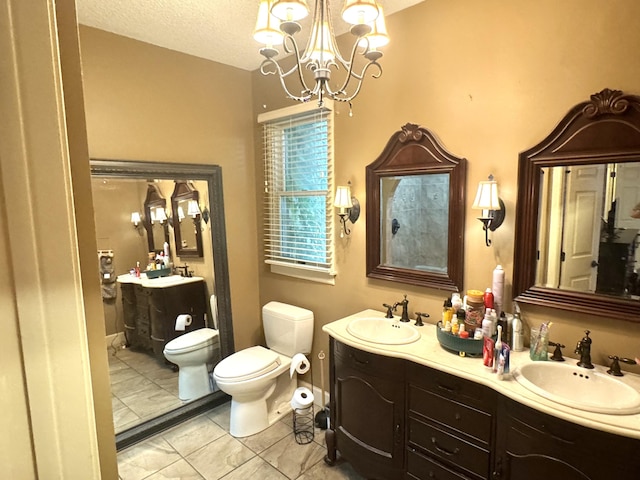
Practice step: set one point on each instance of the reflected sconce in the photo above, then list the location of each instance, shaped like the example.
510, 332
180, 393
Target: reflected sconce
492, 206
180, 214
348, 207
136, 220
160, 215
193, 210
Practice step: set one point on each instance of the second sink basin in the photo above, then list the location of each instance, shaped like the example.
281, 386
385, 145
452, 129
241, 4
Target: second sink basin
385, 331
580, 388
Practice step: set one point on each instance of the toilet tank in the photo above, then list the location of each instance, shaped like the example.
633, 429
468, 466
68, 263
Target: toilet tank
287, 329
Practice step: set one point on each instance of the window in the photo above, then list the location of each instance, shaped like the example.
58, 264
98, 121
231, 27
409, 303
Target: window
298, 220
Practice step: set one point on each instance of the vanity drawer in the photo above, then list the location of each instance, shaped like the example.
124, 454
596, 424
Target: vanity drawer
457, 416
420, 467
453, 450
369, 363
452, 387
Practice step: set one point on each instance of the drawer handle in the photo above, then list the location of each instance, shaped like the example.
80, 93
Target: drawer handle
157, 339
444, 450
359, 362
447, 389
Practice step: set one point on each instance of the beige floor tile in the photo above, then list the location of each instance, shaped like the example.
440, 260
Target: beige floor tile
340, 471
193, 434
151, 401
180, 470
218, 458
291, 458
124, 418
122, 375
146, 458
263, 440
221, 415
257, 469
130, 386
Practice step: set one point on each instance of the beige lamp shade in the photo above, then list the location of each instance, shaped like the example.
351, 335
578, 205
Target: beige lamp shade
360, 11
290, 10
193, 209
343, 198
487, 196
135, 218
378, 37
267, 29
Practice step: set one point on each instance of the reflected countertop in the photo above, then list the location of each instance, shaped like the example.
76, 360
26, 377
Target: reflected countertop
160, 282
427, 351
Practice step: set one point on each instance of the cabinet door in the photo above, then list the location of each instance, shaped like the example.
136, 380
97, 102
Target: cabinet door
533, 445
369, 412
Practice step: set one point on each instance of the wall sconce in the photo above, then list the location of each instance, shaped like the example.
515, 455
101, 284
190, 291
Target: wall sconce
492, 206
160, 215
348, 207
136, 220
193, 210
180, 214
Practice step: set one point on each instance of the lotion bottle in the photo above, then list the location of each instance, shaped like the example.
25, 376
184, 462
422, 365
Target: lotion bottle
517, 329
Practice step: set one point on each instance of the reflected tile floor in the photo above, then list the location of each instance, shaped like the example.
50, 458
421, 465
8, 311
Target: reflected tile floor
202, 449
141, 388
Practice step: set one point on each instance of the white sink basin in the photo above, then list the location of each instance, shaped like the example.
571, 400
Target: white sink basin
579, 388
385, 331
169, 281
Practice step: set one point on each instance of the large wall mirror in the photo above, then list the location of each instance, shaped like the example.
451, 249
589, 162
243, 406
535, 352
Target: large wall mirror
415, 214
577, 225
118, 187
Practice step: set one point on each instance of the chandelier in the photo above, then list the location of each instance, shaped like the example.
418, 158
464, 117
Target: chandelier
277, 24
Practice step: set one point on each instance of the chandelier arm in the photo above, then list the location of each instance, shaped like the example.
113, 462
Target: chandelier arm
306, 94
297, 67
335, 95
348, 65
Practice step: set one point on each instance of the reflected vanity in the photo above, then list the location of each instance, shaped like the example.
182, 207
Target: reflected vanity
415, 221
576, 240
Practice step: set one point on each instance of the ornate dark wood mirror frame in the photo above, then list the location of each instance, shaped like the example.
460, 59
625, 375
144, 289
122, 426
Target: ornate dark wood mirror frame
184, 191
605, 129
415, 150
154, 199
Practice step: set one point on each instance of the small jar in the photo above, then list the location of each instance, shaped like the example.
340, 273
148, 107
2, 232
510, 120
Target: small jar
475, 310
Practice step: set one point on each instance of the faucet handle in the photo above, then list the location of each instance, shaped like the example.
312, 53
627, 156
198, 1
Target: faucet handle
614, 369
419, 319
557, 353
390, 310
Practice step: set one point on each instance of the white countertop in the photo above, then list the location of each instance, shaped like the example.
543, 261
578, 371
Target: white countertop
160, 282
427, 351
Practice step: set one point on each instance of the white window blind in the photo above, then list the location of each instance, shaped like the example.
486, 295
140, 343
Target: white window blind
298, 220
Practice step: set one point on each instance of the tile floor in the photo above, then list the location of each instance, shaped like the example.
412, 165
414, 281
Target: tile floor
202, 449
141, 388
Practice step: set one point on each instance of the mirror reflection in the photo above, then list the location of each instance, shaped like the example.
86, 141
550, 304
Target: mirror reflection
588, 228
186, 215
414, 211
156, 220
143, 315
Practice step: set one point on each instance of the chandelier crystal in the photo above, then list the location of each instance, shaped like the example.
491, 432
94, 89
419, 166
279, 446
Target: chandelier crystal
277, 24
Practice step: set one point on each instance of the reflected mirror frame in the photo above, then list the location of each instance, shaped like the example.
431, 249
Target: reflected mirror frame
605, 129
212, 174
184, 191
414, 150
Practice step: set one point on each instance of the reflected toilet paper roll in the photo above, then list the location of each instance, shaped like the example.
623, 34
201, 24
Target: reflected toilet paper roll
302, 398
183, 321
299, 364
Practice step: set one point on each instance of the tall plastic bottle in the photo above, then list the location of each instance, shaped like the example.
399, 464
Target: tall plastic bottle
517, 329
497, 288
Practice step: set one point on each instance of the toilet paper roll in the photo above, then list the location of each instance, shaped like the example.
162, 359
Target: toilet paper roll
183, 321
302, 398
299, 364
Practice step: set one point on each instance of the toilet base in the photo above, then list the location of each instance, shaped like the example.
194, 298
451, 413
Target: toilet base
251, 417
193, 382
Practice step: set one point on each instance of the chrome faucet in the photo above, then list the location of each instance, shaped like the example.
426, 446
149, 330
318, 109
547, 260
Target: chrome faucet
583, 348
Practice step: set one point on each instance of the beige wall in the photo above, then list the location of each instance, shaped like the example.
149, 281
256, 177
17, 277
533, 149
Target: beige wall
491, 79
152, 104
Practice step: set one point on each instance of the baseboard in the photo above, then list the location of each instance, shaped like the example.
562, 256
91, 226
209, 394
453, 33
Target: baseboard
116, 340
317, 394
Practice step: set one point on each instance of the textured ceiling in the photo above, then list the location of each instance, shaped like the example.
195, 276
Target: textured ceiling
218, 30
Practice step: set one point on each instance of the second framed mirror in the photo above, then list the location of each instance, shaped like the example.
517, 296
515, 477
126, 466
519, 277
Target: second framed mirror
186, 220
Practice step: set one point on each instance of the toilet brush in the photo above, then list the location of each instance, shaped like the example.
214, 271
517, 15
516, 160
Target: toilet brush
322, 418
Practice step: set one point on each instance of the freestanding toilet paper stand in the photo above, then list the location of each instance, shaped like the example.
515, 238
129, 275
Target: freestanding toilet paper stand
303, 424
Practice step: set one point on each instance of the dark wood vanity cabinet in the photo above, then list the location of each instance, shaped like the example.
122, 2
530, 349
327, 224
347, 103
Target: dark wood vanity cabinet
367, 412
150, 313
533, 445
449, 426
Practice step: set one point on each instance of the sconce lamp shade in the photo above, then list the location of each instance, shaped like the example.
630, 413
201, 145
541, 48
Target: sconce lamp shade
135, 218
161, 215
192, 209
378, 37
267, 29
180, 214
487, 196
343, 198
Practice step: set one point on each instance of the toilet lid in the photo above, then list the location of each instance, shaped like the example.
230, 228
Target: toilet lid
192, 340
246, 364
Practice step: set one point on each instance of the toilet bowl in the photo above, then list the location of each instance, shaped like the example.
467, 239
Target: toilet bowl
258, 378
193, 352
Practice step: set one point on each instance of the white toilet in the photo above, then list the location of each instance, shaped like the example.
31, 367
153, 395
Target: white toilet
258, 378
193, 352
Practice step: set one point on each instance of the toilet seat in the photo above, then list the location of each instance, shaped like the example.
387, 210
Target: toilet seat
246, 364
192, 341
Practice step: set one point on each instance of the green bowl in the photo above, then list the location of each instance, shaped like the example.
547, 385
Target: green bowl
161, 272
462, 346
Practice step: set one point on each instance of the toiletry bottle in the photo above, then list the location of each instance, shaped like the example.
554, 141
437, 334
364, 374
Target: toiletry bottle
517, 329
497, 288
447, 312
456, 301
497, 349
487, 324
488, 298
138, 269
455, 326
503, 327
